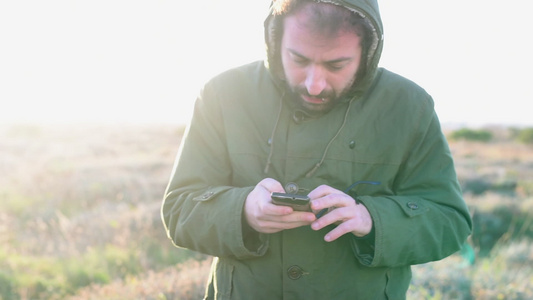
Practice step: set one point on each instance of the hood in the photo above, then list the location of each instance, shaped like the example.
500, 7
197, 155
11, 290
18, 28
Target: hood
366, 8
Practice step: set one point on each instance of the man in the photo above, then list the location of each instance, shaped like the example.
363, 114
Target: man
317, 118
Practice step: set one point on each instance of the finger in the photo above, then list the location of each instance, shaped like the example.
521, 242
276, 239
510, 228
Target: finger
332, 200
285, 222
294, 217
269, 227
271, 209
347, 219
322, 191
327, 219
302, 218
337, 232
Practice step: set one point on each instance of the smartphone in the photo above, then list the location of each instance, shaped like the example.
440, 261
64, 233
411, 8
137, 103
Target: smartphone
297, 202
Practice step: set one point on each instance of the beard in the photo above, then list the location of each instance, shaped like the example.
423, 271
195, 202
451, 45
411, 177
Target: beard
325, 101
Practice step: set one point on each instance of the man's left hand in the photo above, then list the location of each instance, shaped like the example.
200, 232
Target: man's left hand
343, 211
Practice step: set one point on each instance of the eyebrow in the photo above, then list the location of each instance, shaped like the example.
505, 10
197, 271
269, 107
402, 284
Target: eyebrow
333, 61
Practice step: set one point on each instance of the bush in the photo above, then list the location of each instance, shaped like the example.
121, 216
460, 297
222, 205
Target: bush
47, 277
7, 289
506, 274
471, 135
525, 136
446, 279
478, 186
505, 222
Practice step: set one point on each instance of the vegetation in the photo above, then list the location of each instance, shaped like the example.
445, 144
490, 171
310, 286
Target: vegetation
80, 219
81, 208
525, 136
471, 135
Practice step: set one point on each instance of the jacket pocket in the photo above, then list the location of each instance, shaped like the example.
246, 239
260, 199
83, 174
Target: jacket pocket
412, 207
223, 279
398, 280
205, 196
212, 193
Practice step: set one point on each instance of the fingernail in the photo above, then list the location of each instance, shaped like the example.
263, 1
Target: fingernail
313, 204
327, 238
314, 226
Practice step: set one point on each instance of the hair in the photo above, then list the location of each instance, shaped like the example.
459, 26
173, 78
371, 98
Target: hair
327, 19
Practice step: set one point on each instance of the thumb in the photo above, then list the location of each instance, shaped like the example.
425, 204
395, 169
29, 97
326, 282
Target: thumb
271, 185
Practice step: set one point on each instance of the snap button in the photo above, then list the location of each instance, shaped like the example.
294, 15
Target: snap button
291, 188
295, 272
298, 117
207, 195
352, 144
412, 205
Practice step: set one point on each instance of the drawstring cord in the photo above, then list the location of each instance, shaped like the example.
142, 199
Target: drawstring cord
313, 170
269, 160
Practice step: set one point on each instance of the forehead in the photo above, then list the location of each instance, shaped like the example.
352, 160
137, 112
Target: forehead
304, 37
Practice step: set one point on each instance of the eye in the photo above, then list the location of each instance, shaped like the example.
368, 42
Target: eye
300, 61
336, 66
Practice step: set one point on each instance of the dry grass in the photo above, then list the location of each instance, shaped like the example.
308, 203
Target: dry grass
77, 185
497, 160
185, 281
507, 274
79, 218
81, 204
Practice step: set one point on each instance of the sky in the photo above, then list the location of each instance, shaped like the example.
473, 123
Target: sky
144, 61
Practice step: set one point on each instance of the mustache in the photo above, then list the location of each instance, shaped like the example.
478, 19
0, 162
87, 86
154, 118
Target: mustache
323, 94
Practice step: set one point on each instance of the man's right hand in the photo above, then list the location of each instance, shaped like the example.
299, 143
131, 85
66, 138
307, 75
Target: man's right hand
265, 217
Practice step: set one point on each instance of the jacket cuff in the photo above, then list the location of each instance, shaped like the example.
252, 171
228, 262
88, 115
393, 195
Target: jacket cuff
254, 243
253, 240
364, 247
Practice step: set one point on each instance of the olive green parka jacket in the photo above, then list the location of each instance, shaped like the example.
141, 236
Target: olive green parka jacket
244, 129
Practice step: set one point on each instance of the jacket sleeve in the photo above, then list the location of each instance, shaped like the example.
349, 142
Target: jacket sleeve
201, 211
426, 218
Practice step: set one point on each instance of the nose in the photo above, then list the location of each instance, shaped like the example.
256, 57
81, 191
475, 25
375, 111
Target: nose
315, 81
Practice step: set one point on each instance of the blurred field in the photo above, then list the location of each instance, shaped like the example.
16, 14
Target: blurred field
79, 218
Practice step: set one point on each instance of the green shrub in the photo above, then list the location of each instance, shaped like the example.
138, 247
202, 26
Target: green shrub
471, 135
159, 256
525, 187
478, 186
81, 273
7, 286
525, 136
501, 223
44, 277
34, 277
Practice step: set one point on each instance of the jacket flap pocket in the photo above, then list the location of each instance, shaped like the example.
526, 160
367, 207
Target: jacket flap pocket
412, 207
205, 196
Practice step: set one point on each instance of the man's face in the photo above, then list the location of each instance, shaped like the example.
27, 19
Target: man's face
318, 68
